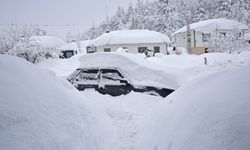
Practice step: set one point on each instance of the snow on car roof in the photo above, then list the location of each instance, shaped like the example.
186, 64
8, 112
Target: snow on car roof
47, 41
131, 37
134, 67
211, 25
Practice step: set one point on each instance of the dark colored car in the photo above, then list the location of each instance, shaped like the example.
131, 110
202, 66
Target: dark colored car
110, 81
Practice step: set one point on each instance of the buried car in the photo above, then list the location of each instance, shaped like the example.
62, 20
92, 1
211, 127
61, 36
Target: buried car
112, 81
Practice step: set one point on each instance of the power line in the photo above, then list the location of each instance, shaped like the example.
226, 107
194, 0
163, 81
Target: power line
43, 25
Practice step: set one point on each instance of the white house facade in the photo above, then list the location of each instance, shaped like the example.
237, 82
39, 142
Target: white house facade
133, 41
201, 31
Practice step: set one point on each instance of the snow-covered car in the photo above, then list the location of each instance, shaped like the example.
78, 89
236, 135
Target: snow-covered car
112, 81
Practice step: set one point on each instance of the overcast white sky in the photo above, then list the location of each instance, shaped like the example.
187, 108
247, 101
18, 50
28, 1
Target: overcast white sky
82, 13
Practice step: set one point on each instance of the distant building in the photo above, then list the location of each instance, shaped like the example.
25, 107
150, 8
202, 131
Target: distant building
70, 49
133, 41
201, 31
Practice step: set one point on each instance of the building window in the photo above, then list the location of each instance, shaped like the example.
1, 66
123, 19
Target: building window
91, 49
107, 50
157, 49
142, 49
205, 37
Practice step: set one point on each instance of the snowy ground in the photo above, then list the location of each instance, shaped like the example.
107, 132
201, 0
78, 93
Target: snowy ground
129, 116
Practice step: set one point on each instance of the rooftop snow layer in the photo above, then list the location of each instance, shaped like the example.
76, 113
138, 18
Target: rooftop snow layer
131, 37
211, 25
47, 41
135, 67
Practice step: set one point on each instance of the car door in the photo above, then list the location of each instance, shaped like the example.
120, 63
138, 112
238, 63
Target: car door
112, 82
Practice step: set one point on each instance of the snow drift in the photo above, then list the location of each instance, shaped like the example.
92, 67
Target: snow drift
209, 113
37, 112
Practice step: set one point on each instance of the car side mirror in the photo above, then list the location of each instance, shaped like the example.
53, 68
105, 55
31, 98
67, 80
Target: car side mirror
124, 81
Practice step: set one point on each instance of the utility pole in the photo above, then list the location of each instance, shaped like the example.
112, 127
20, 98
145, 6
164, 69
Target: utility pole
188, 37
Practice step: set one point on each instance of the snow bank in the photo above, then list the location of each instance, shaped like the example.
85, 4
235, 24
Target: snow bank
193, 67
209, 113
38, 112
135, 67
47, 41
131, 37
61, 67
211, 25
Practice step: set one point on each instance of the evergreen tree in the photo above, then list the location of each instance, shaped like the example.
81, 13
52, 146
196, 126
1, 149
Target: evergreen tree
223, 8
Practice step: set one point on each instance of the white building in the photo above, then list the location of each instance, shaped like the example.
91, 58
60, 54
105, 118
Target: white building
134, 41
201, 31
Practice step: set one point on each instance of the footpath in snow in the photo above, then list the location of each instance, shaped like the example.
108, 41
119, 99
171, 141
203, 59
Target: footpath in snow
126, 113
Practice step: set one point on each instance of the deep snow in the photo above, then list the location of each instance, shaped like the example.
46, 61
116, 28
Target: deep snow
40, 112
209, 113
138, 120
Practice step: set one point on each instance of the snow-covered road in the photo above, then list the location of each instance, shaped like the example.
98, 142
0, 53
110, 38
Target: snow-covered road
126, 112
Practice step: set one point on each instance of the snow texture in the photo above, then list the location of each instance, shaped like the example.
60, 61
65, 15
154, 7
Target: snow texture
38, 112
212, 25
208, 113
131, 37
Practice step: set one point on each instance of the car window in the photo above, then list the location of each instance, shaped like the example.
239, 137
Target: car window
111, 76
87, 76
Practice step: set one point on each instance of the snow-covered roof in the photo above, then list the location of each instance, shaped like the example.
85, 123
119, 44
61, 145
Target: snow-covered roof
131, 37
211, 25
47, 41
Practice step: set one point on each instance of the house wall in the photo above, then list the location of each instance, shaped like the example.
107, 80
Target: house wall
133, 48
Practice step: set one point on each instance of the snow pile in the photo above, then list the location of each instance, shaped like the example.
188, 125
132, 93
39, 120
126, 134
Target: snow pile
38, 112
131, 37
211, 25
209, 113
135, 68
46, 41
